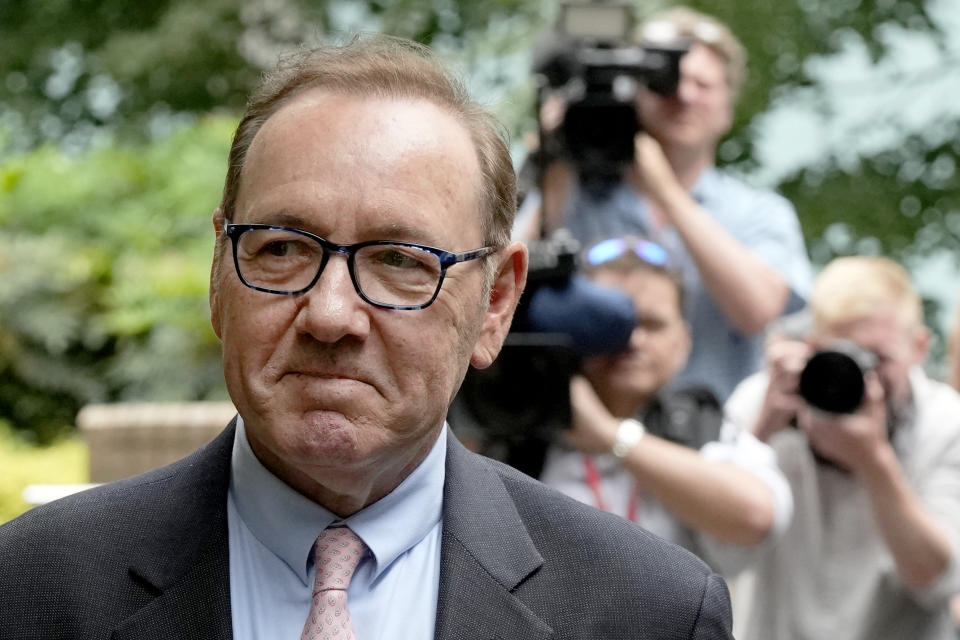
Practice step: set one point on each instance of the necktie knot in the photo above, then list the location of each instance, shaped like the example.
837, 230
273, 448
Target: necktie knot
337, 553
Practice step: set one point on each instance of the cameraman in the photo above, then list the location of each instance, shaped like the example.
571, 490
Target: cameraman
740, 249
666, 460
872, 549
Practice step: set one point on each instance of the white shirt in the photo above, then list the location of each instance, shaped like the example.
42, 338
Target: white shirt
566, 471
831, 575
272, 529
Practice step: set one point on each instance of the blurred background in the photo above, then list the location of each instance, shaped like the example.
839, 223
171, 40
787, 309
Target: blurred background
116, 117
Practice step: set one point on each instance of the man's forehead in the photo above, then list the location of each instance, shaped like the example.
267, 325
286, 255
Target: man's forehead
703, 61
633, 278
318, 115
883, 328
323, 132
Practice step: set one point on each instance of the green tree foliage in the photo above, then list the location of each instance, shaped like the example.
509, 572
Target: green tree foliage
781, 36
103, 275
912, 207
70, 67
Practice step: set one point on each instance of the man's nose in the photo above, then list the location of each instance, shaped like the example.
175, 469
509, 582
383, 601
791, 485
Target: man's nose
332, 308
686, 90
638, 338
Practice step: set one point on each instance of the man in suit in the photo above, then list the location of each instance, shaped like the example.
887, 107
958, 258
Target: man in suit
337, 504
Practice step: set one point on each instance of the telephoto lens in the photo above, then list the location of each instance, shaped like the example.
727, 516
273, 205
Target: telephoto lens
832, 380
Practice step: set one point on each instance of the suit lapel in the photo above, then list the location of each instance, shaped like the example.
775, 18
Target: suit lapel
184, 559
196, 606
485, 553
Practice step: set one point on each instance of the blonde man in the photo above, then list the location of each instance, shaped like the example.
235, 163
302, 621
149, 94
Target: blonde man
872, 550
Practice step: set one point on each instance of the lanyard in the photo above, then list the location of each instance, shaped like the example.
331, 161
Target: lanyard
594, 481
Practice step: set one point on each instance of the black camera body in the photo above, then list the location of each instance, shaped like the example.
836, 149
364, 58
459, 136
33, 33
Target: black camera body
589, 62
833, 378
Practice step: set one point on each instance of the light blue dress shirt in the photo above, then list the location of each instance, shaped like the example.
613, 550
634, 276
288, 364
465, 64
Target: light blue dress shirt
272, 529
760, 219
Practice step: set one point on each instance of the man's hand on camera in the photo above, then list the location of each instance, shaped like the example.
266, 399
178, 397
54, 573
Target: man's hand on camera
655, 176
785, 360
551, 113
593, 428
854, 441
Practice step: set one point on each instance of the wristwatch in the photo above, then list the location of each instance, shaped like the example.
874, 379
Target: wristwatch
629, 433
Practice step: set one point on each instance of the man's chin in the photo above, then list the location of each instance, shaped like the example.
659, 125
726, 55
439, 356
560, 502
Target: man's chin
306, 437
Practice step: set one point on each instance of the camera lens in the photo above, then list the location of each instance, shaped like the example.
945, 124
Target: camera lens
832, 381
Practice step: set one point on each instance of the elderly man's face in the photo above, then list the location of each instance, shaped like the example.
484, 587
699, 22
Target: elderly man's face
701, 111
331, 389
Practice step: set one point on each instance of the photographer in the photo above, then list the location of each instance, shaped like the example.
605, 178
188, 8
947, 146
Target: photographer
740, 249
872, 549
664, 459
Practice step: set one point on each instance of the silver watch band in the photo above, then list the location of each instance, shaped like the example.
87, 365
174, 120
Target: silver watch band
629, 433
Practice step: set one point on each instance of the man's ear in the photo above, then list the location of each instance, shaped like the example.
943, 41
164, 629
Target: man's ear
921, 345
505, 292
219, 227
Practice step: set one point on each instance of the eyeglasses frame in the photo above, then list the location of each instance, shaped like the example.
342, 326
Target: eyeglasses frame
447, 259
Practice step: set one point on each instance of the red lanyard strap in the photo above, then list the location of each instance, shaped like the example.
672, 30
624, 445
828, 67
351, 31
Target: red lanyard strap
595, 481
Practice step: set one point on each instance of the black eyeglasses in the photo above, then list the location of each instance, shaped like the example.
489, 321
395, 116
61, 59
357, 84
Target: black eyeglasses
607, 250
386, 274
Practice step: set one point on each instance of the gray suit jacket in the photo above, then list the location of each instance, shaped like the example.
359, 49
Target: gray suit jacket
147, 558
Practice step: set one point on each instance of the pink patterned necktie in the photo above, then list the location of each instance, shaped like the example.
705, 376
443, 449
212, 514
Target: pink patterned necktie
336, 553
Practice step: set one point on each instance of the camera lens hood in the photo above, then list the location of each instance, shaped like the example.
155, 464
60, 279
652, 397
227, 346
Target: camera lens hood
832, 381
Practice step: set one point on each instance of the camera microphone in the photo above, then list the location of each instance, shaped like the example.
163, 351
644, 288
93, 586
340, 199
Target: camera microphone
597, 320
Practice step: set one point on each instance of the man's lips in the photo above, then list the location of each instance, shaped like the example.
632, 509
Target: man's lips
326, 374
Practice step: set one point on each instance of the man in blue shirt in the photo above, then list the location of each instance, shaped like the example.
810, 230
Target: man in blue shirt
740, 249
362, 263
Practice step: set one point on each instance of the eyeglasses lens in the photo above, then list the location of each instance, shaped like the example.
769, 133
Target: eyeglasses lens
284, 261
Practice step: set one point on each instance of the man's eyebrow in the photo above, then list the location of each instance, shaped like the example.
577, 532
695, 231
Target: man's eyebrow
280, 219
386, 230
399, 231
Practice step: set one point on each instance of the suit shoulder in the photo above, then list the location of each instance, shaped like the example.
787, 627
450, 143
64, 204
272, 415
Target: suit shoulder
111, 512
613, 569
560, 517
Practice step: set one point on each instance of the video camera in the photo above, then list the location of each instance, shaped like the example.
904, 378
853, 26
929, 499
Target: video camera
589, 62
519, 404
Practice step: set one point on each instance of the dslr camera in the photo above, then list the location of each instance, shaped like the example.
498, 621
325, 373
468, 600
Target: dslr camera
832, 380
591, 64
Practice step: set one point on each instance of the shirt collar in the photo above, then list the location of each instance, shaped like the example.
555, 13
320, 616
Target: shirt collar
288, 523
